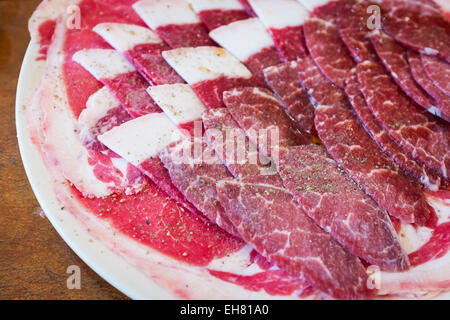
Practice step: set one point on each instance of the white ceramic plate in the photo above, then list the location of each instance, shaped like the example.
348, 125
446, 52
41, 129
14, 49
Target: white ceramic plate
102, 260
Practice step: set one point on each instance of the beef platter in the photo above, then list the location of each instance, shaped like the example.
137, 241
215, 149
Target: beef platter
270, 148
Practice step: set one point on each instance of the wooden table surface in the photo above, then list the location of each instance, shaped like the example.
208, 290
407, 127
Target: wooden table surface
33, 257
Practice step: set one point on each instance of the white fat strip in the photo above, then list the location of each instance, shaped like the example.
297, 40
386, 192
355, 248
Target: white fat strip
61, 143
413, 238
97, 107
444, 4
47, 10
157, 13
310, 5
103, 63
202, 5
124, 37
205, 63
432, 276
237, 263
280, 14
142, 138
243, 38
178, 101
64, 147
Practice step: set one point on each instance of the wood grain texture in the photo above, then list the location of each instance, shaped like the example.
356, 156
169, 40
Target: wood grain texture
33, 258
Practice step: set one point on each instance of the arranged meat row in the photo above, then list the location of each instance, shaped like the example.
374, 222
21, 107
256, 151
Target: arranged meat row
356, 120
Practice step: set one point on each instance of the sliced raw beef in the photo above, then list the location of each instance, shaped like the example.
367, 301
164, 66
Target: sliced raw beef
103, 112
131, 94
419, 74
438, 71
416, 27
337, 204
174, 22
352, 20
142, 48
121, 78
352, 14
283, 80
358, 44
93, 60
195, 173
248, 41
232, 145
290, 239
421, 173
210, 71
139, 141
216, 13
324, 9
395, 61
357, 153
252, 31
328, 50
284, 20
75, 155
261, 116
426, 137
317, 88
42, 24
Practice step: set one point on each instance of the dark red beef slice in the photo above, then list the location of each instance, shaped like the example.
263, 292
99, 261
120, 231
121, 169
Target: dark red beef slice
283, 80
352, 18
339, 206
195, 174
438, 71
426, 137
418, 27
328, 50
113, 118
421, 173
256, 109
130, 89
358, 44
210, 92
358, 154
290, 42
232, 146
318, 90
185, 35
149, 62
352, 14
419, 74
268, 218
329, 10
215, 18
395, 61
257, 62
